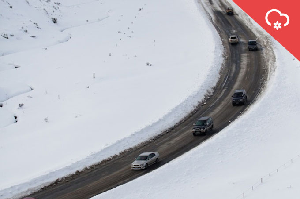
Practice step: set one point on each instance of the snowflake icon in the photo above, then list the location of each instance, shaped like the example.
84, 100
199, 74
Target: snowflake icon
277, 25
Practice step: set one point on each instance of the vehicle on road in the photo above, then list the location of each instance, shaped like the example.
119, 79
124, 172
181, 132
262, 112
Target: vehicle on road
144, 160
239, 97
229, 11
202, 126
233, 39
252, 45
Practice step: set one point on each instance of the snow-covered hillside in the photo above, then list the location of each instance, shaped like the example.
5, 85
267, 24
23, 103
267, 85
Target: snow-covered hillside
138, 66
105, 76
256, 157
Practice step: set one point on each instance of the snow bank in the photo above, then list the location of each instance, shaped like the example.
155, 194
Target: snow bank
124, 72
12, 90
28, 24
7, 117
257, 156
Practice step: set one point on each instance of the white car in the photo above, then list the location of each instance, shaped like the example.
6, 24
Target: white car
233, 39
144, 160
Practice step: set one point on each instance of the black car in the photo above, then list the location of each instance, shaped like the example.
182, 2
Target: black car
239, 97
252, 45
202, 125
229, 11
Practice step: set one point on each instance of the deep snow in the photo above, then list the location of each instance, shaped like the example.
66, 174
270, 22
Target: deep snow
257, 156
107, 76
259, 151
261, 145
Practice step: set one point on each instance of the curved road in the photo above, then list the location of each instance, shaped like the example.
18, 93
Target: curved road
241, 69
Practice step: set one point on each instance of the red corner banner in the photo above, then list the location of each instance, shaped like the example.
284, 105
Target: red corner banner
280, 18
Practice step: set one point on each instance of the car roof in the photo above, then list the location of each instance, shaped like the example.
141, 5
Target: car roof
204, 118
233, 35
239, 91
251, 40
146, 153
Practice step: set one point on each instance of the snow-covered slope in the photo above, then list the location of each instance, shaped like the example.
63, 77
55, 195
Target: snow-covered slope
259, 151
106, 76
28, 24
257, 156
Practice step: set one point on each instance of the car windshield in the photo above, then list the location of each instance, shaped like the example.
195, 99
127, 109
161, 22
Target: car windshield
232, 37
252, 42
239, 94
200, 123
142, 158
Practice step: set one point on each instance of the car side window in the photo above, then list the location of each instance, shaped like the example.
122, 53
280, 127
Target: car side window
151, 155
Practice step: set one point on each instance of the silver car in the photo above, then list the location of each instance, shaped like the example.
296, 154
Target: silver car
144, 160
233, 39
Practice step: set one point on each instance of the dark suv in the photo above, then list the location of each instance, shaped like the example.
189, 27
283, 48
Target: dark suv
203, 125
252, 45
229, 11
239, 97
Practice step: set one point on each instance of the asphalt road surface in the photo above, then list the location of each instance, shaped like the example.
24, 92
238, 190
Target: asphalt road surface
242, 69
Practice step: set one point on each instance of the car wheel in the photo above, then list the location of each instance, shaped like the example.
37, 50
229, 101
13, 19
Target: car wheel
212, 126
194, 134
156, 161
146, 166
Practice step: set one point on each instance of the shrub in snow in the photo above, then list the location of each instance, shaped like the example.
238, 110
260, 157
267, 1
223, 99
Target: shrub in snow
1, 104
54, 20
46, 119
16, 119
25, 30
37, 26
5, 36
148, 64
21, 105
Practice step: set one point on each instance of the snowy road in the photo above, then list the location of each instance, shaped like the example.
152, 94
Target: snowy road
242, 69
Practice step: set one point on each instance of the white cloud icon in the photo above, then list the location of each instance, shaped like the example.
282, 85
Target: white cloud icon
275, 10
